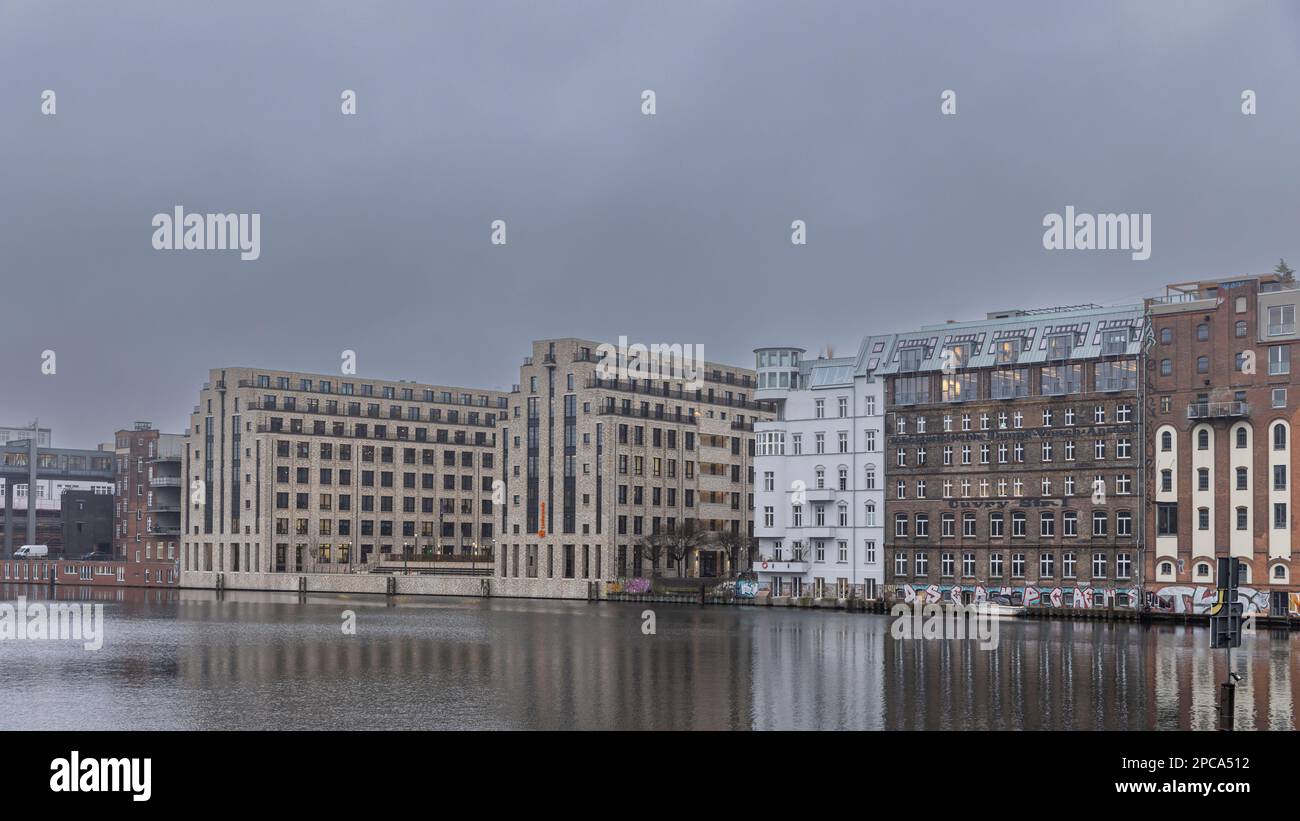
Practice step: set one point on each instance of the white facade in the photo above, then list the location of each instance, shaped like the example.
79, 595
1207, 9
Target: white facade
49, 492
819, 473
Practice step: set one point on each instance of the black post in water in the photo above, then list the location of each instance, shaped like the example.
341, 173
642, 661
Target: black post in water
1225, 631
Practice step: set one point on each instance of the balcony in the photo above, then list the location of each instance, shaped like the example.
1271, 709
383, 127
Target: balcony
1113, 384
912, 398
165, 481
165, 530
774, 566
1218, 410
1009, 391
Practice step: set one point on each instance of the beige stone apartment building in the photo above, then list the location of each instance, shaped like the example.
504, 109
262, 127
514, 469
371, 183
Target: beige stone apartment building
611, 476
296, 472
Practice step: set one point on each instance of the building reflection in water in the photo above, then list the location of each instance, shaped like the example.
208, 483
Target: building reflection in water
193, 659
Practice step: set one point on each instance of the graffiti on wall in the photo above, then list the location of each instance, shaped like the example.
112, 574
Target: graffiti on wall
1079, 598
1183, 598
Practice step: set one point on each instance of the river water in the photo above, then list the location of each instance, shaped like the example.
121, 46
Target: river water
192, 660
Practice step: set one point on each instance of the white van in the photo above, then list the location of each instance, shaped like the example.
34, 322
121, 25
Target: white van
32, 551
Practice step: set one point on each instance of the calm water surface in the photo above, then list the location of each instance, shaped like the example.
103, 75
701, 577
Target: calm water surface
191, 660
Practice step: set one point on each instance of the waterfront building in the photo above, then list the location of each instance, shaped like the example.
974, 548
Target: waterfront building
1014, 459
149, 488
291, 472
820, 472
610, 475
1220, 450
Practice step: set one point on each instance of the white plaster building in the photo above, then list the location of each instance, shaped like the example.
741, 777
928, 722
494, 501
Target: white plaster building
819, 473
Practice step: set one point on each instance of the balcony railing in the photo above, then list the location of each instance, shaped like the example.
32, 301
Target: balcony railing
1217, 410
1009, 391
1110, 384
165, 481
1059, 388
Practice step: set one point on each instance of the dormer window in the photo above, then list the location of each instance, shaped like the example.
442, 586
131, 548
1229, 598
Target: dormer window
1060, 346
909, 359
1007, 351
1114, 343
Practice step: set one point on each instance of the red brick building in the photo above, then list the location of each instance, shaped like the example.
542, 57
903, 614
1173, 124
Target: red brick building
148, 491
1221, 413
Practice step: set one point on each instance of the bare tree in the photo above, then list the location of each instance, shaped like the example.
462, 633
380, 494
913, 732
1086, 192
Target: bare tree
651, 547
681, 541
740, 548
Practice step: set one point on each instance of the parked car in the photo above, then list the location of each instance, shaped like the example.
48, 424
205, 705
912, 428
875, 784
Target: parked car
95, 556
32, 551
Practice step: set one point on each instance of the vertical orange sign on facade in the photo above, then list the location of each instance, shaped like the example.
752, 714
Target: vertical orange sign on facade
541, 523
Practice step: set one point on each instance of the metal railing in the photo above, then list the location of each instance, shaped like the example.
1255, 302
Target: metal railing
1217, 410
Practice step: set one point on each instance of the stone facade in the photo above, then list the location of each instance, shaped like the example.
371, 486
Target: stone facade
597, 465
308, 473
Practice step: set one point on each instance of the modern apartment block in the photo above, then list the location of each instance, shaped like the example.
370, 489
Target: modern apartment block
819, 492
297, 472
1014, 460
1220, 449
610, 476
149, 489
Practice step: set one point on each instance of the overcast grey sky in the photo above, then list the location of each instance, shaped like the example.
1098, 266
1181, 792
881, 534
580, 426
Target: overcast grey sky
668, 228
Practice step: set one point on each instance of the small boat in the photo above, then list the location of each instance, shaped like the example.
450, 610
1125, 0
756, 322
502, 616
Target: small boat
990, 608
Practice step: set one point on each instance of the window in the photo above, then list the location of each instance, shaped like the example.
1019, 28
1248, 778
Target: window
1281, 320
1017, 565
1202, 363
1279, 437
922, 564
1279, 397
1099, 565
900, 564
1123, 566
1166, 519
1279, 360
995, 565
1166, 441
1045, 561
1203, 332
1067, 565
1239, 330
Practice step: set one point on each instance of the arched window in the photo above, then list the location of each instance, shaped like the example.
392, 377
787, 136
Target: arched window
1241, 437
1279, 437
1241, 329
1202, 571
1166, 568
1166, 441
1279, 572
1202, 439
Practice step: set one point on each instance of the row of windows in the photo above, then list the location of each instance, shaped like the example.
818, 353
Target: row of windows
1241, 438
385, 391
325, 476
1016, 383
918, 525
1047, 565
369, 453
1015, 452
1015, 487
367, 527
1242, 478
326, 502
1122, 414
1167, 518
